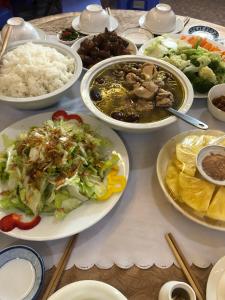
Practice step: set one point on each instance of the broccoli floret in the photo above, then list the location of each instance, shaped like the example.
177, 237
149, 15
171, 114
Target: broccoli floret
207, 74
199, 84
177, 61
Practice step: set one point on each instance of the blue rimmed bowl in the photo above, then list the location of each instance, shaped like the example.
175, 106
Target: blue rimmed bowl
30, 255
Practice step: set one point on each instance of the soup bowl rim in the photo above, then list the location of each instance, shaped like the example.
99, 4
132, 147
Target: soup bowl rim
126, 126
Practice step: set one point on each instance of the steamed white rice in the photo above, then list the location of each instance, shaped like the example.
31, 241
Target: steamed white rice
33, 70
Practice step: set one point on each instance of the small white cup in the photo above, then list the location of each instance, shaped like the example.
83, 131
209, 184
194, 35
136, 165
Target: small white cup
161, 19
94, 19
167, 290
21, 30
215, 92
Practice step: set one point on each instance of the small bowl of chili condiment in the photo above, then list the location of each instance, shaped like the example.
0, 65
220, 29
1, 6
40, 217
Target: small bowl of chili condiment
216, 101
68, 36
211, 164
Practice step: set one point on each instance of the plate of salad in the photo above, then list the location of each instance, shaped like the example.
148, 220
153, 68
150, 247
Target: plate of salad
201, 60
60, 173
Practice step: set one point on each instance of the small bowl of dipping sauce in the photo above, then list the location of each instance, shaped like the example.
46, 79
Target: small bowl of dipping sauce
211, 164
21, 273
216, 101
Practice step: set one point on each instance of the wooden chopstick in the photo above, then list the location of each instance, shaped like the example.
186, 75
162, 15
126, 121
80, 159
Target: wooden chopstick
59, 269
5, 40
184, 265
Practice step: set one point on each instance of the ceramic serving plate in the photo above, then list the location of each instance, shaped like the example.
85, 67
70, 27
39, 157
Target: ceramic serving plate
216, 282
165, 155
141, 51
14, 262
87, 214
88, 290
178, 28
113, 24
204, 31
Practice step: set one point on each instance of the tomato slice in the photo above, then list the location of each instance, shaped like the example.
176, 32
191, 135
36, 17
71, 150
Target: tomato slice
12, 221
59, 114
62, 114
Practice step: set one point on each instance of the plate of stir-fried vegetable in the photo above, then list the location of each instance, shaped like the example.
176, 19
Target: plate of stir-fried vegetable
201, 60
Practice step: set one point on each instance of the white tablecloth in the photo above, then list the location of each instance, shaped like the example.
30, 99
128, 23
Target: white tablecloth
133, 232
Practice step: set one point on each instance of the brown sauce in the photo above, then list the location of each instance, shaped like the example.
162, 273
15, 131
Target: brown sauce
126, 93
219, 102
214, 166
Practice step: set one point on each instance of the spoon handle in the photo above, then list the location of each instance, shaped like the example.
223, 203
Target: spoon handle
188, 119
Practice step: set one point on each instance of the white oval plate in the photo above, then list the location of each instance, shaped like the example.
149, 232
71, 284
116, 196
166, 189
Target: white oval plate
216, 282
113, 24
178, 28
165, 155
88, 289
87, 214
177, 36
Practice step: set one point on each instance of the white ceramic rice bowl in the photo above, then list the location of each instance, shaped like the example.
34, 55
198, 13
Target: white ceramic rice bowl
50, 98
135, 127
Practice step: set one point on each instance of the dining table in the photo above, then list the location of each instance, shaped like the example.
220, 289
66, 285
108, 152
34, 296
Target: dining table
127, 248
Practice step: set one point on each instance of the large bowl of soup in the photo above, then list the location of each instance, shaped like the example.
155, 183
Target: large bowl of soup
132, 93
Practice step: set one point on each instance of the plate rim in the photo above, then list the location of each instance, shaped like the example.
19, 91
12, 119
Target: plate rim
161, 178
112, 19
21, 234
215, 269
76, 284
40, 260
178, 20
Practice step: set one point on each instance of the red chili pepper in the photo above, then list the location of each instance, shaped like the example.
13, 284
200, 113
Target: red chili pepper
62, 114
74, 117
12, 221
59, 114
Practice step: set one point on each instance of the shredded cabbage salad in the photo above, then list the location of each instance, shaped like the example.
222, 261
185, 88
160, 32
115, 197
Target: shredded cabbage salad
54, 168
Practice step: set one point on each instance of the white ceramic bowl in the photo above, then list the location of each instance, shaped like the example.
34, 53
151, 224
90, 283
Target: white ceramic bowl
165, 155
88, 289
50, 98
161, 18
216, 91
21, 30
94, 19
134, 127
132, 47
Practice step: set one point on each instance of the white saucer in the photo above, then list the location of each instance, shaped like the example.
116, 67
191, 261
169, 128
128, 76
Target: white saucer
216, 282
113, 24
137, 35
179, 25
88, 289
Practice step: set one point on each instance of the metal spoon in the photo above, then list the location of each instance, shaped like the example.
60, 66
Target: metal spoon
188, 119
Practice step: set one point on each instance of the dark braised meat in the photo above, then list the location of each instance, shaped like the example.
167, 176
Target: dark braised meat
102, 46
164, 98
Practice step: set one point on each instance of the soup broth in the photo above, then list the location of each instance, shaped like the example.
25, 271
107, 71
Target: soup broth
136, 92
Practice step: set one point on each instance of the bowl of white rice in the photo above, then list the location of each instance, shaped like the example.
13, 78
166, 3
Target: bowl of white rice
35, 74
